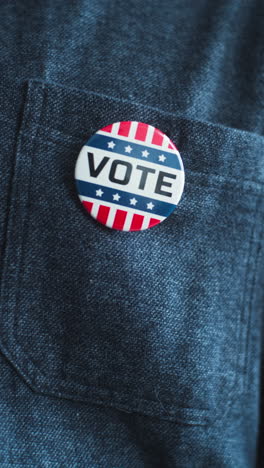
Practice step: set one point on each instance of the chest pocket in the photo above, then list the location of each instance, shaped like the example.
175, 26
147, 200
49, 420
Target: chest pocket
153, 322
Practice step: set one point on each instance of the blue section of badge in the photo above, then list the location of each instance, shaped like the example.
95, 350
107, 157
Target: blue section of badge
134, 150
104, 193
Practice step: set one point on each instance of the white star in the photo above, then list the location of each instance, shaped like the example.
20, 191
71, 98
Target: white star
150, 206
128, 149
111, 144
162, 158
116, 197
145, 153
99, 193
133, 201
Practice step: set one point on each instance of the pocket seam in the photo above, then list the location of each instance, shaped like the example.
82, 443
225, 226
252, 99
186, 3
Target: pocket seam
151, 408
231, 180
26, 224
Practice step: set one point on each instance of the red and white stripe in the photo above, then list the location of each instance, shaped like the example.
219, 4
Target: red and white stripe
119, 217
141, 133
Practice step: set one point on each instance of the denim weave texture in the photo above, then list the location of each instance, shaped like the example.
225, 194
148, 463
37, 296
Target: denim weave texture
130, 350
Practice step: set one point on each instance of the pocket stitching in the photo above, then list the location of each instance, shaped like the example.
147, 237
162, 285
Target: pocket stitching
59, 385
26, 225
254, 185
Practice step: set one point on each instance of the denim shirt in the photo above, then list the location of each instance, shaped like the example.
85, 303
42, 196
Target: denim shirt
130, 350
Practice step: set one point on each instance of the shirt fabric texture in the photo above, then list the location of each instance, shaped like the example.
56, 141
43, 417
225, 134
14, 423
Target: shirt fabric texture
130, 350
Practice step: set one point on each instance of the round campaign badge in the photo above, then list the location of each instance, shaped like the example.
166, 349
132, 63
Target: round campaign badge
129, 176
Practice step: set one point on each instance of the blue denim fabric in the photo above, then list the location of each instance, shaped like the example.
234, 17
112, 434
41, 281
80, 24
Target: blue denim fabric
131, 349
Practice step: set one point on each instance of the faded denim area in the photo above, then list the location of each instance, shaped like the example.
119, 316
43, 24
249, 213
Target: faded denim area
140, 349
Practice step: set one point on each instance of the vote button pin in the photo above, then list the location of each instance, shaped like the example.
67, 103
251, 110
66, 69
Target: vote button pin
129, 176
